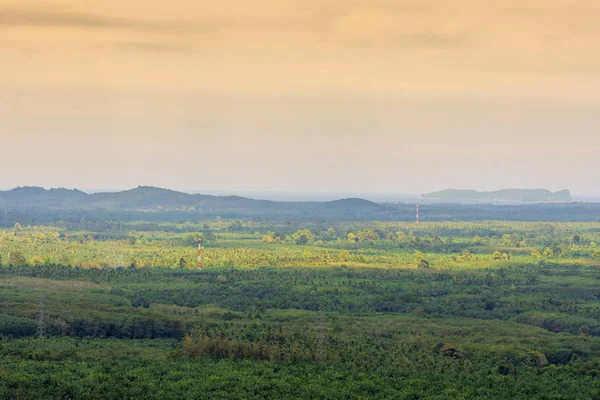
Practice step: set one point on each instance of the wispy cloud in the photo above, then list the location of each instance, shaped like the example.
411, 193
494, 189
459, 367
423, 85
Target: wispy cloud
436, 40
80, 20
151, 47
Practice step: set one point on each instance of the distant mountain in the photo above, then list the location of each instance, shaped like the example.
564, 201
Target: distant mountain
518, 195
147, 198
352, 204
32, 196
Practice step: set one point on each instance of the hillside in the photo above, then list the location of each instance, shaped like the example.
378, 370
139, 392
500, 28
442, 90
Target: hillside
31, 196
518, 195
147, 198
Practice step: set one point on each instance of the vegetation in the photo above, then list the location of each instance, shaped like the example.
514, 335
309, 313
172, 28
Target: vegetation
299, 308
37, 206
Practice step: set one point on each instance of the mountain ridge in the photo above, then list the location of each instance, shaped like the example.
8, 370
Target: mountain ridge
153, 198
520, 195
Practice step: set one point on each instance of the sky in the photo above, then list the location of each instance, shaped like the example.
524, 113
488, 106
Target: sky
353, 96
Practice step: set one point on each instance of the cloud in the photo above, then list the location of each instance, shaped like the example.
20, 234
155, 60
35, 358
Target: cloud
53, 18
341, 23
435, 40
151, 47
372, 28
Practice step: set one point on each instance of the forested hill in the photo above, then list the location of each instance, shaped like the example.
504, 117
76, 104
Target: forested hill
33, 205
518, 195
146, 198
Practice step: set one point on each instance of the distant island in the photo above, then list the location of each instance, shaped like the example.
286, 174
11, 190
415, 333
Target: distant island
520, 195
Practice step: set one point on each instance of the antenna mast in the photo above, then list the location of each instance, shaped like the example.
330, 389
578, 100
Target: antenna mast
420, 201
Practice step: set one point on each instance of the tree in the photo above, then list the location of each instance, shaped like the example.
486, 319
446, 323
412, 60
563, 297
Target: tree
191, 239
16, 258
584, 331
344, 256
466, 255
236, 226
210, 237
420, 260
412, 237
367, 235
497, 255
271, 238
516, 239
303, 236
330, 234
536, 253
548, 253
557, 247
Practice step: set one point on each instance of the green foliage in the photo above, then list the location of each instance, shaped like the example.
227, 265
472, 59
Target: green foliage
365, 310
467, 255
496, 255
16, 258
16, 326
302, 237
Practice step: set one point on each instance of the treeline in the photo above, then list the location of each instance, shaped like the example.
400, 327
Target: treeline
96, 219
94, 326
485, 294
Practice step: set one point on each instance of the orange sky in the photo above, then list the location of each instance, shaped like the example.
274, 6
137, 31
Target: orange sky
318, 95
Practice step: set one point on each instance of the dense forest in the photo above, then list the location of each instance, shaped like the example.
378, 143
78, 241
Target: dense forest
117, 308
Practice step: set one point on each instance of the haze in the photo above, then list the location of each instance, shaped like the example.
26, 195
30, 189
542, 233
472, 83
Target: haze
374, 96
